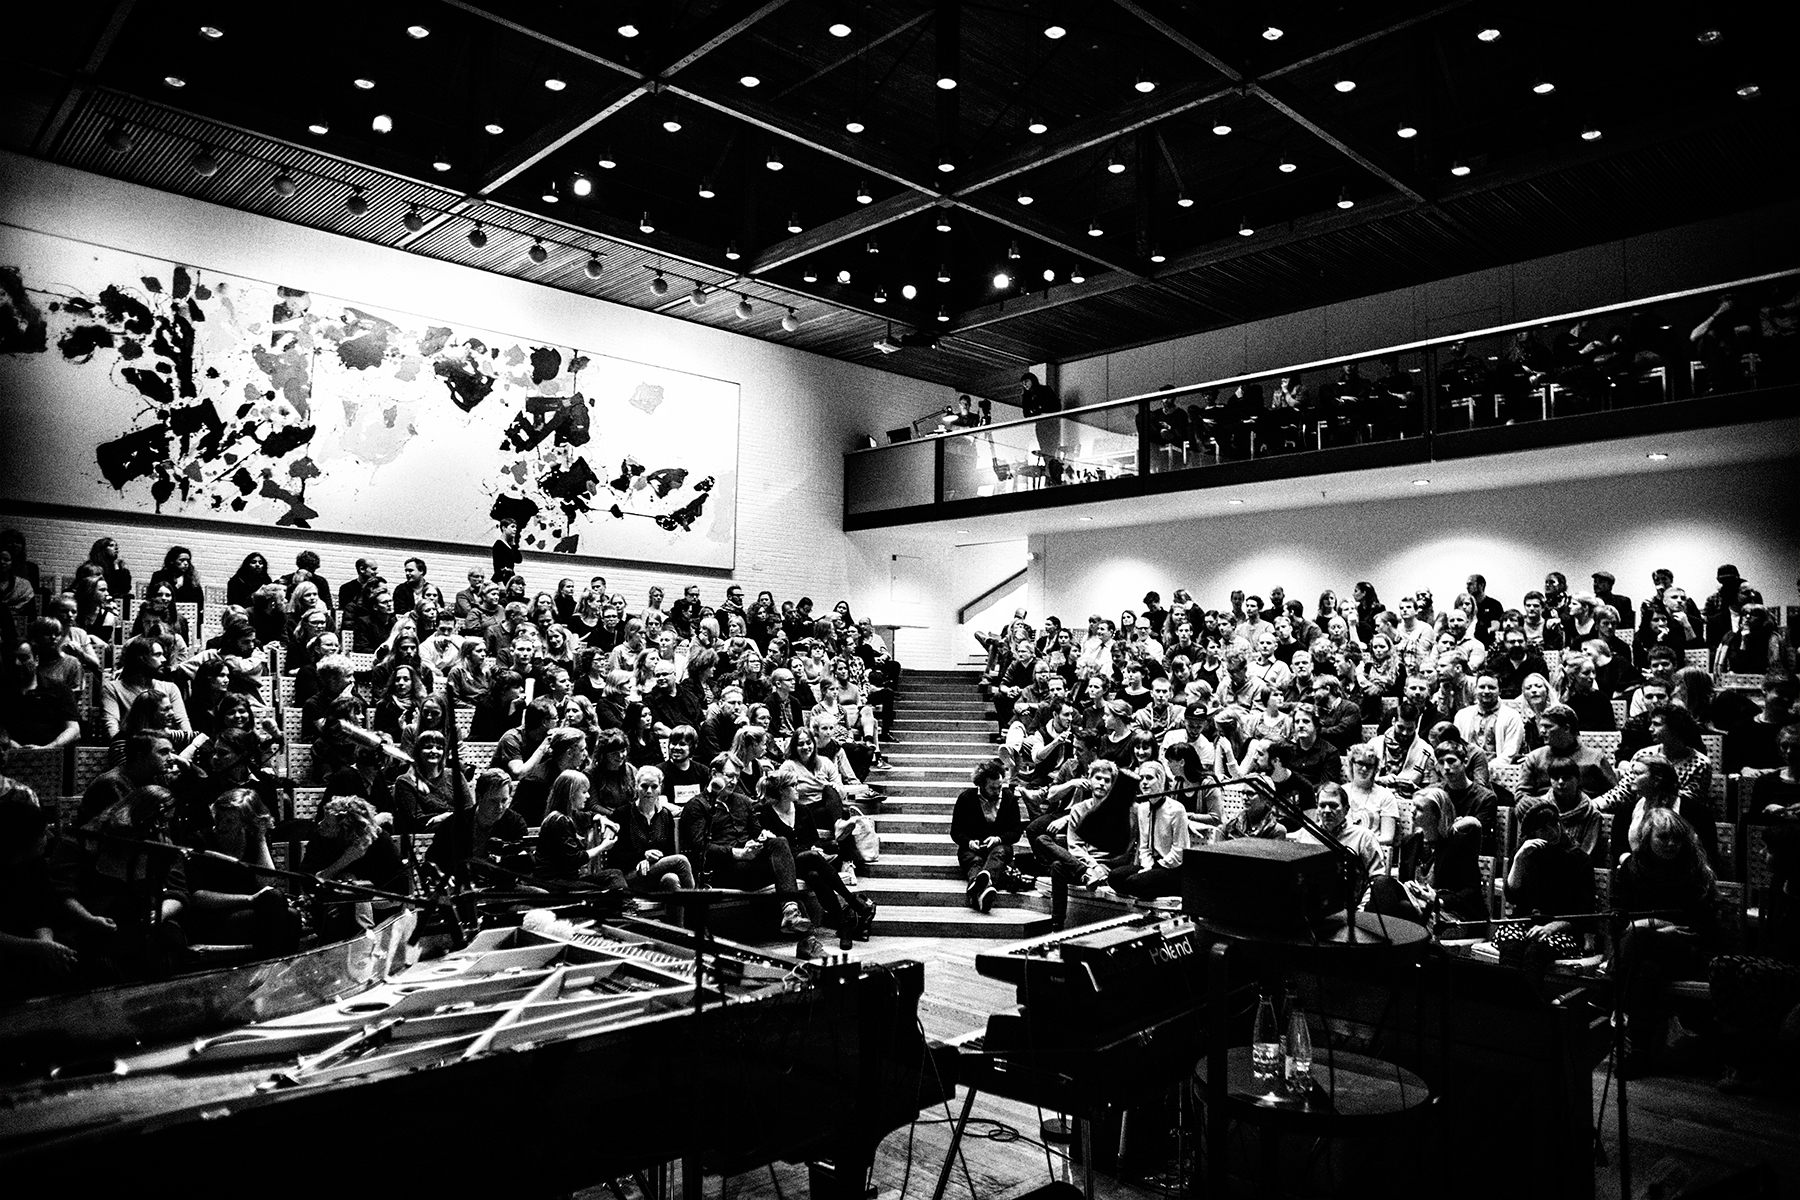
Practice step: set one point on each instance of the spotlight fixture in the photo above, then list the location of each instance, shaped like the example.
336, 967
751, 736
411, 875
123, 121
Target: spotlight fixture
1156, 256
1272, 33
909, 292
881, 295
284, 184
697, 297
946, 164
551, 193
1710, 36
943, 275
1749, 90
743, 308
789, 321
494, 128
672, 125
1344, 200
356, 204
1487, 33
773, 162
212, 32
1049, 275
1053, 32
1543, 87
1459, 168
871, 247
863, 195
943, 220
1036, 125
606, 161
645, 225
440, 163
628, 30
1145, 84
555, 84
1244, 229
414, 220
382, 123
658, 284
838, 29
1345, 85
1094, 229
118, 139
1406, 131
943, 313
174, 81
537, 253
1183, 200
319, 128
417, 32
1012, 252
477, 236
1113, 165
706, 189
1286, 166
1590, 132
843, 277
1025, 196
855, 125
1002, 281
793, 225
1221, 126
732, 252
749, 80
364, 83
1078, 275
582, 185
810, 275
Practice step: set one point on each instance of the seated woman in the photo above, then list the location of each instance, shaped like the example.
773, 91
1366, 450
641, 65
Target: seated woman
1668, 773
780, 814
231, 904
151, 711
1373, 806
143, 667
1190, 776
159, 608
826, 785
252, 573
352, 846
268, 613
1161, 833
645, 849
429, 791
1538, 695
1670, 873
398, 706
573, 842
96, 608
1549, 876
1439, 872
179, 573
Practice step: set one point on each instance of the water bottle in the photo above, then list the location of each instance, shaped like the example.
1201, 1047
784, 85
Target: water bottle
1265, 1044
1298, 1048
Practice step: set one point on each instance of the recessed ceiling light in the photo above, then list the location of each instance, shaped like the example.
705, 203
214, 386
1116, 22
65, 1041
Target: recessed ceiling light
551, 194
1345, 85
1078, 275
1710, 36
582, 186
645, 225
1543, 87
555, 84
881, 295
1234, 502
1591, 133
494, 129
211, 31
1094, 229
793, 225
1244, 229
1144, 85
732, 252
943, 313
946, 83
1012, 252
838, 29
1344, 200
1749, 91
863, 196
843, 276
1036, 125
1407, 130
909, 291
1114, 166
672, 125
1487, 34
1049, 275
321, 128
628, 30
855, 125
1025, 196
1221, 127
419, 32
943, 221
1272, 33
946, 164
440, 163
1157, 256
773, 162
1656, 456
606, 161
174, 81
1286, 166
943, 275
810, 275
1421, 482
382, 123
706, 189
1459, 168
1055, 31
750, 81
1002, 281
1084, 518
364, 83
1183, 200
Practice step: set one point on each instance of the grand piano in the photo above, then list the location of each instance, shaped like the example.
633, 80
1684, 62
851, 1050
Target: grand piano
534, 1062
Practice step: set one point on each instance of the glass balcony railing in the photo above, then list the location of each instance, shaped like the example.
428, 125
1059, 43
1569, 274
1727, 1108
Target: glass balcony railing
1414, 399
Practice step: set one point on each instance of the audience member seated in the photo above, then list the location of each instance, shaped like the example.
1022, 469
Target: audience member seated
41, 922
721, 825
1668, 873
136, 878
1160, 833
35, 714
352, 846
1439, 876
1332, 815
1550, 877
1559, 728
984, 825
816, 861
231, 905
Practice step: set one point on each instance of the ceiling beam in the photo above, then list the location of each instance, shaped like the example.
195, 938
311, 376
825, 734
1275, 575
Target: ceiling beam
855, 54
865, 219
1036, 227
50, 134
550, 138
812, 135
538, 35
1376, 35
1344, 148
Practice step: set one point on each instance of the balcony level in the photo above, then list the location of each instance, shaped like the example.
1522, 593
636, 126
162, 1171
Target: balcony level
1727, 355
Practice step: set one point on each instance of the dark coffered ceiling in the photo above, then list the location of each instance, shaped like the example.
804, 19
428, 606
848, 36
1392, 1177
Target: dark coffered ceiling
1153, 169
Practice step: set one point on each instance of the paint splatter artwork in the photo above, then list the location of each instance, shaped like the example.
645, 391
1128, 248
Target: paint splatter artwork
135, 384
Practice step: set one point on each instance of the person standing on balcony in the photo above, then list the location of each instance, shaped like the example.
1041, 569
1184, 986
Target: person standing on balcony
1036, 400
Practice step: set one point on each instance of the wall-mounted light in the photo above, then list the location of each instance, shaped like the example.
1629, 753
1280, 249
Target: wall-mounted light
537, 253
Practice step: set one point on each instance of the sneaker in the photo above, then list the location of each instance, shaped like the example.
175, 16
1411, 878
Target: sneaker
865, 921
794, 921
847, 873
889, 737
881, 762
985, 901
810, 947
1105, 892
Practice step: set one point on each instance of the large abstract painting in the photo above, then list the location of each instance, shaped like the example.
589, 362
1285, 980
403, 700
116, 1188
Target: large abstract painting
132, 383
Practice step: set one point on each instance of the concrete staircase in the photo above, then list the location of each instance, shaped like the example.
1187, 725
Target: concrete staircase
943, 724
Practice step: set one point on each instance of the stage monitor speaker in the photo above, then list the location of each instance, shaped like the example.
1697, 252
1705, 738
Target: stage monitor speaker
1261, 883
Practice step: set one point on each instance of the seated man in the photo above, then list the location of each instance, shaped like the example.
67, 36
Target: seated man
1095, 837
351, 845
1513, 663
1560, 729
1495, 727
719, 832
1340, 718
38, 953
35, 714
984, 825
231, 904
1332, 813
1471, 799
150, 759
486, 831
1550, 876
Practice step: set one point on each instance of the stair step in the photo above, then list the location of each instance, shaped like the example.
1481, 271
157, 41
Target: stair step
912, 823
933, 842
912, 866
919, 804
909, 752
926, 920
935, 893
954, 742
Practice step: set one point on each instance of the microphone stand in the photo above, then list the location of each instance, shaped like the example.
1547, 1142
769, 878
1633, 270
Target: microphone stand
1347, 861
